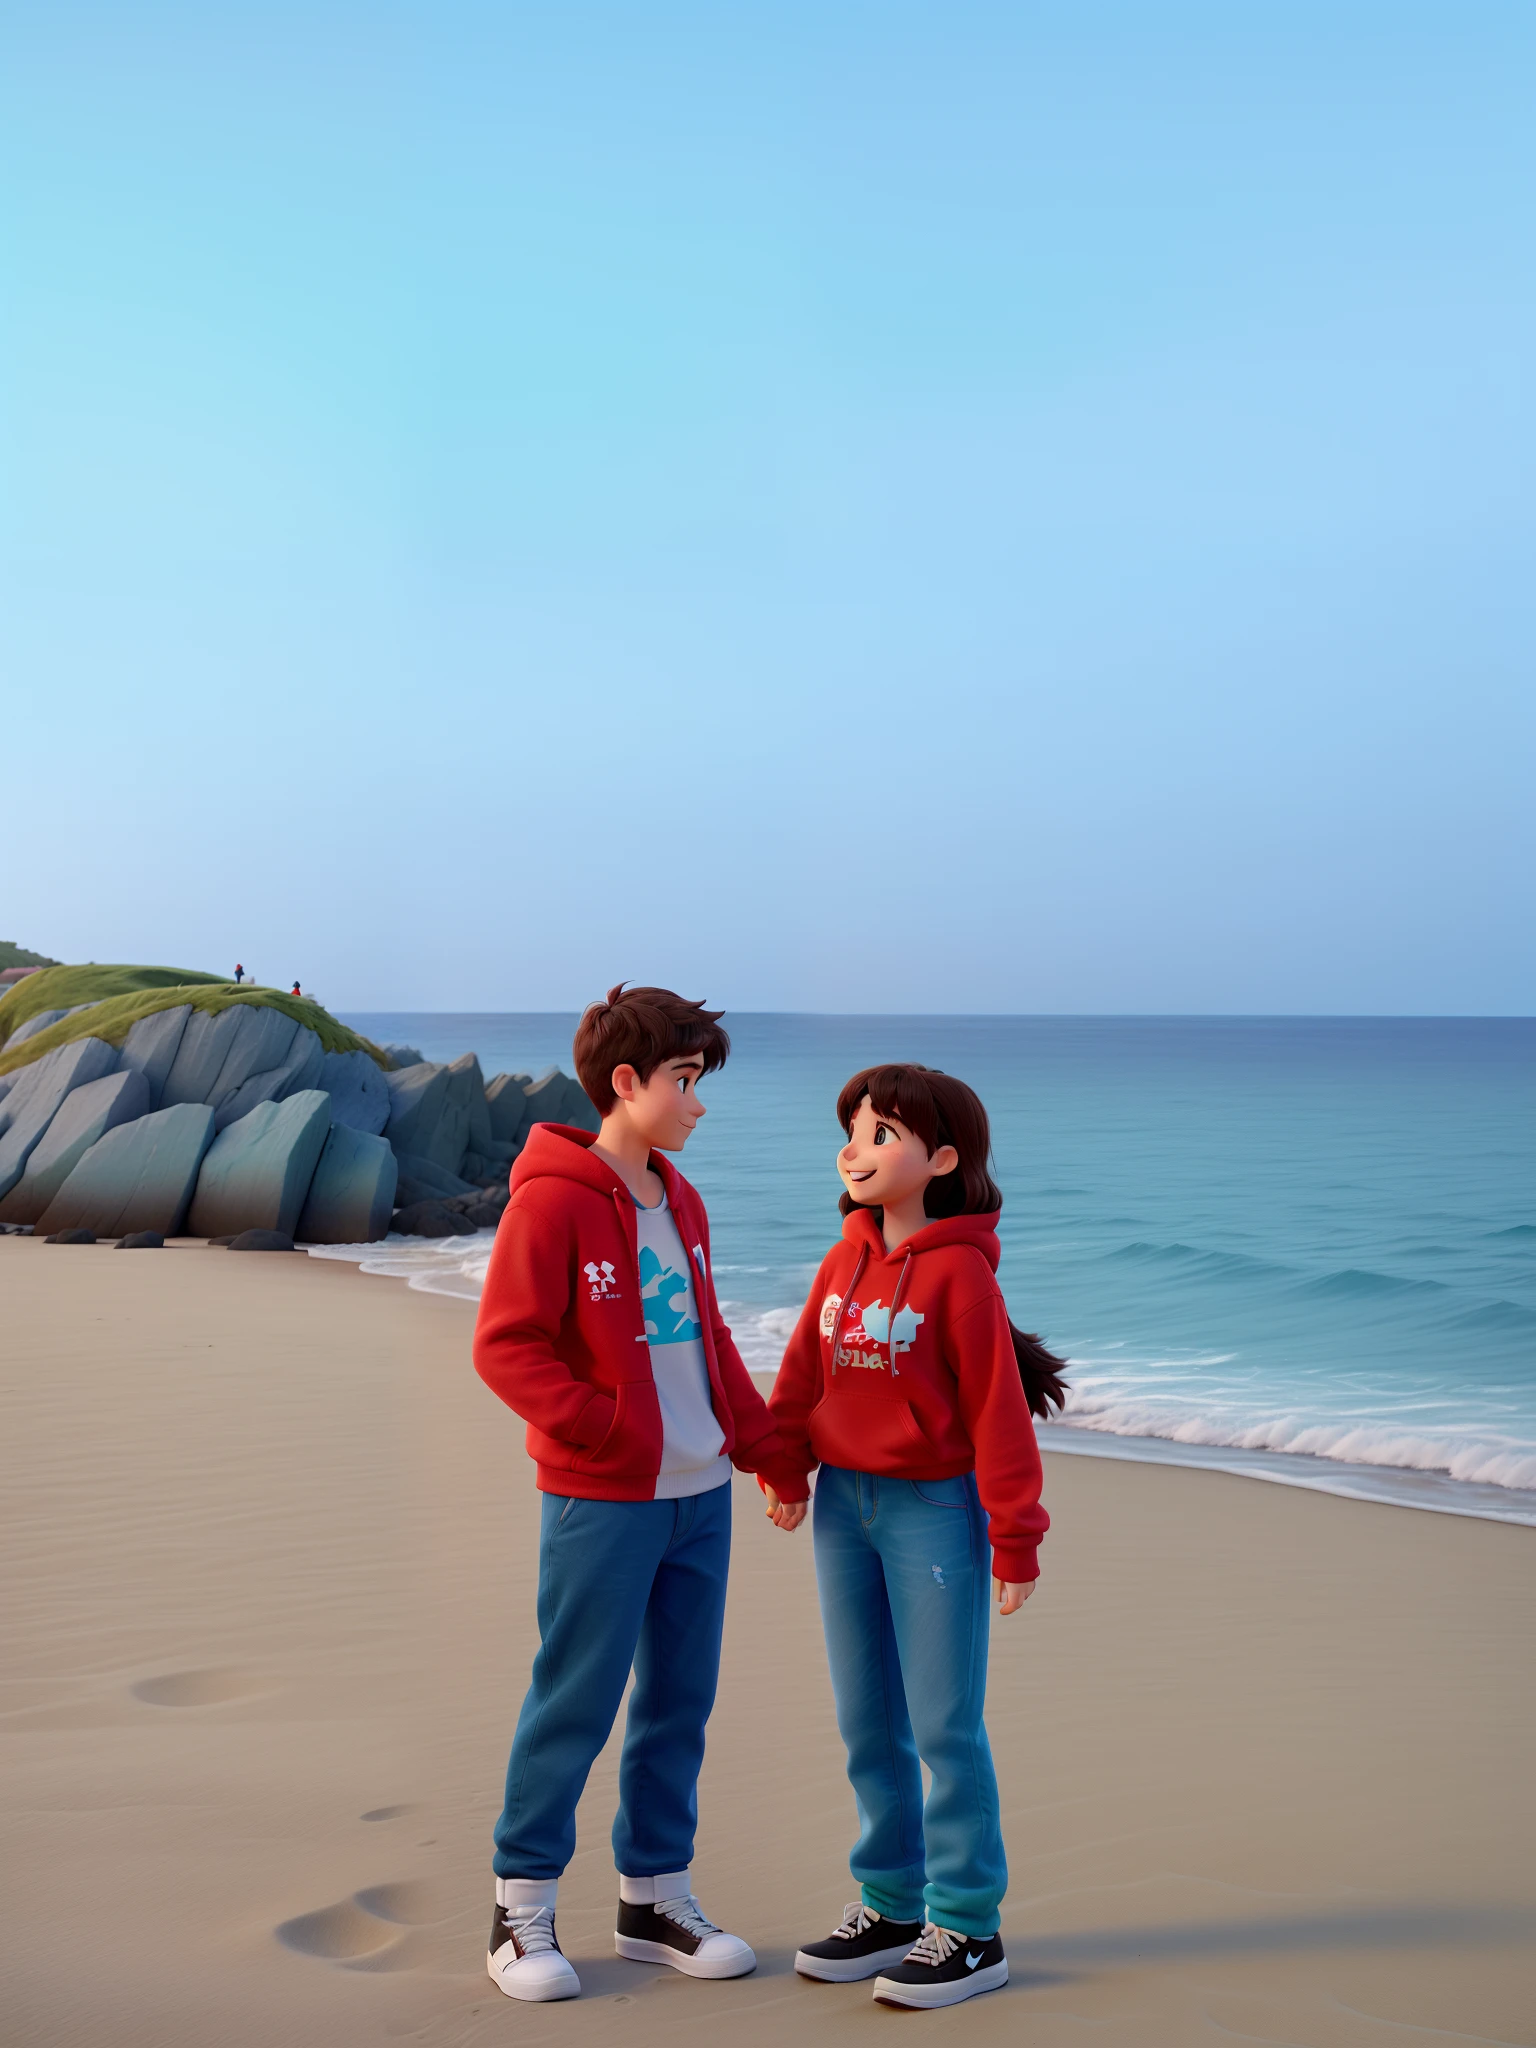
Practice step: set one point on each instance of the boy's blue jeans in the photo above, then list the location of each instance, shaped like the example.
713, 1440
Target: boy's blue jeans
621, 1584
905, 1573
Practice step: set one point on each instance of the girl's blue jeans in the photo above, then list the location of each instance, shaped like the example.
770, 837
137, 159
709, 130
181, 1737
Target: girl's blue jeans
622, 1585
905, 1573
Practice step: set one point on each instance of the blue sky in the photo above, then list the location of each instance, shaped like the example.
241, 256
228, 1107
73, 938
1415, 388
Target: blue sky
831, 507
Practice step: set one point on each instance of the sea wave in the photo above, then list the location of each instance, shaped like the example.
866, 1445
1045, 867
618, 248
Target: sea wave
1481, 1460
1156, 1401
432, 1265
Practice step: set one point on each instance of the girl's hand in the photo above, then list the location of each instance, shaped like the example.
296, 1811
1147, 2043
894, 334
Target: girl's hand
1011, 1598
784, 1514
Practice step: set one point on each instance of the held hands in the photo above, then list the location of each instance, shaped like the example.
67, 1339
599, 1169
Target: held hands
1011, 1598
784, 1514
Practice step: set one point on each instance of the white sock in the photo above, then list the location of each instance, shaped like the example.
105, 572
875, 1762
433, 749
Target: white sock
527, 1892
652, 1891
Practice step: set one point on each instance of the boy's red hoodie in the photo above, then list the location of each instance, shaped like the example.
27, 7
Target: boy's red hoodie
561, 1332
902, 1365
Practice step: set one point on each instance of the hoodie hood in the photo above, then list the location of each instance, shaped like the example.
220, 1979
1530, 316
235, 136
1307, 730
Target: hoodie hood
861, 1229
562, 1152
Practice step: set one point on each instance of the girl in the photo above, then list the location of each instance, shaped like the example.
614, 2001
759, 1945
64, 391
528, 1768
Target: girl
906, 1382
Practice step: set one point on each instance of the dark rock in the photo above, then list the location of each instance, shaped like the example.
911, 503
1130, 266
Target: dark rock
218, 1244
428, 1219
484, 1215
262, 1241
141, 1241
358, 1090
137, 1177
507, 1104
258, 1170
71, 1237
402, 1055
84, 1115
424, 1117
301, 1069
29, 1108
425, 1174
151, 1047
205, 1045
556, 1099
466, 1086
353, 1190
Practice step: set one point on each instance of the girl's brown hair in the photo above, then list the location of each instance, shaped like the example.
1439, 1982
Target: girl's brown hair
940, 1110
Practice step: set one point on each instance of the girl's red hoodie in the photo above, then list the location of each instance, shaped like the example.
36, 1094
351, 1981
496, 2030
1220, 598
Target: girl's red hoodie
561, 1332
902, 1365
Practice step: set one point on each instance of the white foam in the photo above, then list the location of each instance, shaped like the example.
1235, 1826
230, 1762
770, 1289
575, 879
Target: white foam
1161, 1407
432, 1265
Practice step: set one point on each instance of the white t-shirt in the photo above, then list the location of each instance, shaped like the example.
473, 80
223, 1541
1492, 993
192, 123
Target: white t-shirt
692, 1441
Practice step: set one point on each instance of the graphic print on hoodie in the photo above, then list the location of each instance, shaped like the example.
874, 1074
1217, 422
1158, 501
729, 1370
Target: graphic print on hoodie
692, 1441
902, 1366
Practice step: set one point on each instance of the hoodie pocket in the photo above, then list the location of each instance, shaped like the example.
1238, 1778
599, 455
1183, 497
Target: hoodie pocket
868, 1433
602, 1452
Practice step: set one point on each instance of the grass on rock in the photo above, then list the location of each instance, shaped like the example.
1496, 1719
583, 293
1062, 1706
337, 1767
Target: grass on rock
120, 996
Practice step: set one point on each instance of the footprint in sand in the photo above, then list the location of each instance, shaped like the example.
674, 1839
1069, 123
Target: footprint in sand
386, 1812
199, 1688
378, 1928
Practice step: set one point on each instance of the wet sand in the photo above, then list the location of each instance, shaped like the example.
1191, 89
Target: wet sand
1267, 1757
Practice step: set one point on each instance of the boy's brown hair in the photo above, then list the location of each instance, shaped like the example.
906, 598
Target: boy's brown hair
642, 1028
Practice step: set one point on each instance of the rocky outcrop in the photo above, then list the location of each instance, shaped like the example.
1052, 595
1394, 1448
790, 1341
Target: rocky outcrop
466, 1086
424, 1116
29, 1107
358, 1090
554, 1098
300, 1069
236, 1058
258, 1170
152, 1045
137, 1177
506, 1099
88, 1120
84, 1115
427, 1177
353, 1190
33, 1025
401, 1055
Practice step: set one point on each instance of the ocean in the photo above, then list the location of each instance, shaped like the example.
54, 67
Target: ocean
1298, 1248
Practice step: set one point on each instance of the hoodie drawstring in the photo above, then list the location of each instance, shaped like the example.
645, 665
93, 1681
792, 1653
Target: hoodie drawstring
890, 1328
842, 1307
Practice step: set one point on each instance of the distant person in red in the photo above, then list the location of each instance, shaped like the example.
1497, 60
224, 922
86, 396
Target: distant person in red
239, 972
297, 990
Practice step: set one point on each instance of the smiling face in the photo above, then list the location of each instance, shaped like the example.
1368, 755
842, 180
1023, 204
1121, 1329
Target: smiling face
884, 1165
664, 1109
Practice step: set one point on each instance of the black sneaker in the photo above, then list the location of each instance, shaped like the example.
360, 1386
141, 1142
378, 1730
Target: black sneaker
943, 1968
860, 1948
676, 1932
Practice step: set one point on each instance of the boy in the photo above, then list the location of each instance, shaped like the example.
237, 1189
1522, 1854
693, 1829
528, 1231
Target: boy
599, 1326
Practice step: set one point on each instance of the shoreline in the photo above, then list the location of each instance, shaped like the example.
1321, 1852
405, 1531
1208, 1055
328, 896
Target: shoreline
1430, 1490
1264, 1755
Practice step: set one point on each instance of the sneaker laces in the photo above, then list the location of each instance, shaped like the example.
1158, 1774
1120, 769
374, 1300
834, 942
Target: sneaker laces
857, 1919
534, 1927
935, 1945
685, 1913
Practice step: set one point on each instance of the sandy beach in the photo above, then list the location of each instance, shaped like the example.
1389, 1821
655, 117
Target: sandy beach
1266, 1756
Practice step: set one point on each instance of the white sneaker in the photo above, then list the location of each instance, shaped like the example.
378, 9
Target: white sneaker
523, 1956
660, 1921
